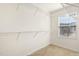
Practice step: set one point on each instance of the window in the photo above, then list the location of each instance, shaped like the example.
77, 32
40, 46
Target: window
67, 25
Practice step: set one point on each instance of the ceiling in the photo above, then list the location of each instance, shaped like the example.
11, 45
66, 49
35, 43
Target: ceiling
51, 7
48, 7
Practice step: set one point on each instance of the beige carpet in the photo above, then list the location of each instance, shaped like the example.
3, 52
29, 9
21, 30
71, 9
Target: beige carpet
53, 50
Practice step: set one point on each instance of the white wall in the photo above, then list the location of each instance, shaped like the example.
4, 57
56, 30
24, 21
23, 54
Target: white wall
33, 29
13, 18
66, 43
7, 16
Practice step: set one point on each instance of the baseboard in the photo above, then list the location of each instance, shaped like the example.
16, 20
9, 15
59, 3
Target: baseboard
70, 49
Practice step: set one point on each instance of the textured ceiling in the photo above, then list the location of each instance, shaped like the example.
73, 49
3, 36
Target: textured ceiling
48, 7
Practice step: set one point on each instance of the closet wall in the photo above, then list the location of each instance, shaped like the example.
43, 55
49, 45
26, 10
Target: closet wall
23, 29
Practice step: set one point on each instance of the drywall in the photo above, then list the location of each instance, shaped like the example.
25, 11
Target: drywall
34, 35
26, 44
66, 43
8, 44
21, 18
7, 16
